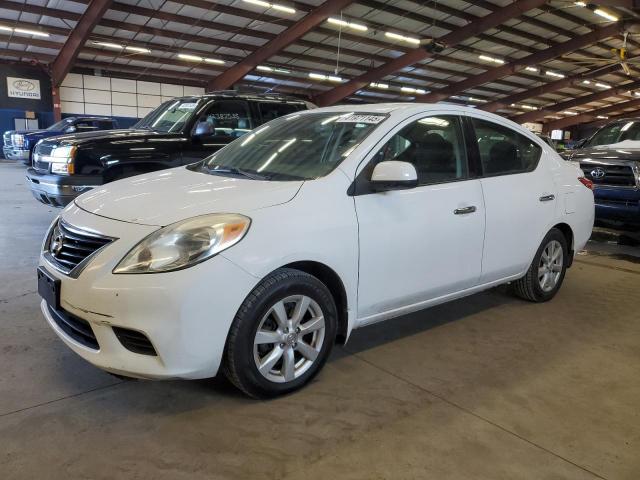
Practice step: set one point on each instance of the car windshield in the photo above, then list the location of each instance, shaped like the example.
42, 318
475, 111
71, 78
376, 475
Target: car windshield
616, 133
61, 125
294, 147
170, 116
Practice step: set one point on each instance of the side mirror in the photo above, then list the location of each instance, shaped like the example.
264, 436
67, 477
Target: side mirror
70, 129
393, 175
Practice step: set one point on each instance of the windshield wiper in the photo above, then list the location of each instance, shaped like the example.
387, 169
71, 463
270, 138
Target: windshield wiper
236, 171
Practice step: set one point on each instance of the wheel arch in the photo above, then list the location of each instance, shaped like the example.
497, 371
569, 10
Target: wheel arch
334, 283
567, 231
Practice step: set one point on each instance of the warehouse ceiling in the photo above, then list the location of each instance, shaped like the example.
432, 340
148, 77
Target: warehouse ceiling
523, 64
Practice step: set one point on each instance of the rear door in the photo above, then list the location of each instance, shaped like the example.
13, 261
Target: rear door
425, 242
519, 196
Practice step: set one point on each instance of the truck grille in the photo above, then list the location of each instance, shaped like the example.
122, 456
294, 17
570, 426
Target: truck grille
41, 150
611, 175
68, 248
6, 139
44, 149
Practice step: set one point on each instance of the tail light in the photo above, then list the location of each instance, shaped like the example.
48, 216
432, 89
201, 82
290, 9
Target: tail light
586, 182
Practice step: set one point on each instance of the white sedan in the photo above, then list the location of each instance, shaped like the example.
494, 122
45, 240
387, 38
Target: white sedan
258, 259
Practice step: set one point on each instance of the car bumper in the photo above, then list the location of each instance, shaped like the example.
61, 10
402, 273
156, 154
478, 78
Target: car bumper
618, 205
185, 315
59, 190
11, 153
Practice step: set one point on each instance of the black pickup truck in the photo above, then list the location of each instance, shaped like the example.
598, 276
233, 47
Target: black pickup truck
178, 132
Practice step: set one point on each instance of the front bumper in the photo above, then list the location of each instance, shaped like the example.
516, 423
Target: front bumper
12, 153
59, 190
185, 314
618, 205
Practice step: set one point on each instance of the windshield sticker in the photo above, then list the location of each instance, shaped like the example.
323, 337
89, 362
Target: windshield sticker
188, 106
355, 118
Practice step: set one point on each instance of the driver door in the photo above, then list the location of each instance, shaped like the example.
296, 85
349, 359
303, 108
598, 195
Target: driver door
426, 242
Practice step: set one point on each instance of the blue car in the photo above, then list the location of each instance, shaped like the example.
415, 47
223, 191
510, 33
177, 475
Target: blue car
611, 159
18, 144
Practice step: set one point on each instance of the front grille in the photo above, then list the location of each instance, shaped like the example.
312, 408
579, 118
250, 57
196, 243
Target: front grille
134, 341
75, 327
614, 175
40, 166
44, 149
6, 140
69, 246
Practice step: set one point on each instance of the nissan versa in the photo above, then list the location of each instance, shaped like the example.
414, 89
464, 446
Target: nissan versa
256, 260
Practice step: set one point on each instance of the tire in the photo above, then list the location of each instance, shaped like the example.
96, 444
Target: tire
294, 357
533, 286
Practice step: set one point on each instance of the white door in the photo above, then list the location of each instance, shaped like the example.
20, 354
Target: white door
421, 243
519, 195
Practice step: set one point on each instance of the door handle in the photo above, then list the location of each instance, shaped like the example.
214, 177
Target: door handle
464, 210
547, 198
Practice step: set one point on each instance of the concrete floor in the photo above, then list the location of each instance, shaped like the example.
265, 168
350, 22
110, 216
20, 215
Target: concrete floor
489, 387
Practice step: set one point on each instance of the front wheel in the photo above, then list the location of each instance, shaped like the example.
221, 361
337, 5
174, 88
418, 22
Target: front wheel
282, 334
546, 273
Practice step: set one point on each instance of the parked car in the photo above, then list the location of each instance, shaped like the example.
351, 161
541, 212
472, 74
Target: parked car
611, 159
179, 132
257, 259
18, 144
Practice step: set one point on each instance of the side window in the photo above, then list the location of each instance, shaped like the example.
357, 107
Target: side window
228, 118
105, 125
272, 110
504, 151
435, 147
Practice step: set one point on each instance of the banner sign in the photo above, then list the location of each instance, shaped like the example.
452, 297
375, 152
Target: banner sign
23, 88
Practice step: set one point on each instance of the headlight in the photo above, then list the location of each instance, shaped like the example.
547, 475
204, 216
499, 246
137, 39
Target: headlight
17, 140
185, 243
63, 154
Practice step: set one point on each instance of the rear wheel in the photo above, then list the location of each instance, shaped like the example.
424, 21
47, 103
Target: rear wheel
282, 334
546, 273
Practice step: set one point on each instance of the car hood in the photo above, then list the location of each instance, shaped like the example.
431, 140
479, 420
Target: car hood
168, 196
626, 150
125, 135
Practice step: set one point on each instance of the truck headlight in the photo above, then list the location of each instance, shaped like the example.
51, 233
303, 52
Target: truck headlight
185, 243
61, 159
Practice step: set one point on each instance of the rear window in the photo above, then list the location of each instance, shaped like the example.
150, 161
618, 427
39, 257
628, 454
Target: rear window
272, 110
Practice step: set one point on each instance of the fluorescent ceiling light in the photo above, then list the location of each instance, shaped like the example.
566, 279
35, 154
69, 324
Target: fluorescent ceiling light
554, 74
383, 86
138, 49
529, 107
580, 4
275, 6
603, 13
419, 91
334, 79
487, 58
264, 68
567, 112
586, 82
109, 45
344, 23
531, 69
25, 31
603, 85
321, 76
477, 100
403, 38
602, 117
196, 58
191, 58
36, 33
636, 93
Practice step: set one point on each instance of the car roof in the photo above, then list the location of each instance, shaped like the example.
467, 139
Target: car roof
84, 117
245, 96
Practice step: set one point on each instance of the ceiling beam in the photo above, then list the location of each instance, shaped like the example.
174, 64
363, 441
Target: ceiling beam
518, 65
589, 116
546, 89
76, 40
576, 102
286, 38
418, 54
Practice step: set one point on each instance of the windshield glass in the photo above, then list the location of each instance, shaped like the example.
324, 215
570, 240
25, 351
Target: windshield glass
615, 133
171, 116
294, 147
61, 125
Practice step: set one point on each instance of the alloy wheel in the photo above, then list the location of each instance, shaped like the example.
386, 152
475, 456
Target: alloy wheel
550, 267
289, 338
